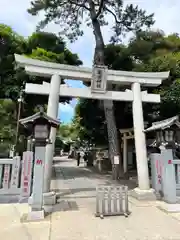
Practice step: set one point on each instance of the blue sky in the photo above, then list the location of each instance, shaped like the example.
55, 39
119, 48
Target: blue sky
66, 111
13, 13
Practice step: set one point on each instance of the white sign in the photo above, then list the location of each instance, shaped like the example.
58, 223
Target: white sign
99, 79
6, 176
82, 154
106, 153
116, 160
41, 131
11, 153
15, 172
26, 175
38, 180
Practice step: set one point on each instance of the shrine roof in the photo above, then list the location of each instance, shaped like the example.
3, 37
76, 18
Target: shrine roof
37, 115
164, 124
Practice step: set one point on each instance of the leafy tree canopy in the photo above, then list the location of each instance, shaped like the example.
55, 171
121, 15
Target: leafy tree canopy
40, 45
158, 53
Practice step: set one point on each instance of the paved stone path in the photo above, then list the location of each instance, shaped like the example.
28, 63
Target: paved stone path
73, 217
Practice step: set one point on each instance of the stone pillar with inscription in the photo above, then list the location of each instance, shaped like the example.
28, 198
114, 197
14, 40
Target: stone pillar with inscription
26, 175
40, 140
37, 211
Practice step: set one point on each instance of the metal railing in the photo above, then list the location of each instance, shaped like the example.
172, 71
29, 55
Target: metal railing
112, 201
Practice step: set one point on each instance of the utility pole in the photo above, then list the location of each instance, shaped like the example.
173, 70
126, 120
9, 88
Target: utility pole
20, 100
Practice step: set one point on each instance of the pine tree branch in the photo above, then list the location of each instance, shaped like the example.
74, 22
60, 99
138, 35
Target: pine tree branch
100, 9
114, 15
80, 4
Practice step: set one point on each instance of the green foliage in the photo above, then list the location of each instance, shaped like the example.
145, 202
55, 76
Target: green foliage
10, 79
170, 105
7, 125
89, 121
145, 44
49, 41
147, 51
50, 47
163, 56
68, 132
40, 45
164, 62
42, 54
118, 57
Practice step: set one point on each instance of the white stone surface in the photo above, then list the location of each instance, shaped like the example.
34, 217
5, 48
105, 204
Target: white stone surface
6, 176
52, 111
43, 89
26, 176
35, 215
42, 68
140, 141
143, 194
15, 172
171, 208
73, 218
38, 178
49, 198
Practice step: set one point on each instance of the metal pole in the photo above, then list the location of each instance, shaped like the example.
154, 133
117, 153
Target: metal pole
18, 117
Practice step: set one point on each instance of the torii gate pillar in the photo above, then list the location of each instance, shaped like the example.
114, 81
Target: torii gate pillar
143, 190
52, 111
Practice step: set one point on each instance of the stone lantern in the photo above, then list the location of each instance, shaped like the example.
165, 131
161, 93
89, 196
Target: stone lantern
166, 132
39, 125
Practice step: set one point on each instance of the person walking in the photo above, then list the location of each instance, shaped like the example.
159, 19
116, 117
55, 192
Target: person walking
78, 158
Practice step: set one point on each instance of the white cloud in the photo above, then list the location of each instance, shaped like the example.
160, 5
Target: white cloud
14, 13
66, 112
65, 107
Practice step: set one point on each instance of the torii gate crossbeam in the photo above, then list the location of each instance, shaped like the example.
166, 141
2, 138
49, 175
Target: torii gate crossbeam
44, 89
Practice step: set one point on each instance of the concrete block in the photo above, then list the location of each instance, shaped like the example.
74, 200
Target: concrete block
169, 208
49, 198
146, 195
33, 216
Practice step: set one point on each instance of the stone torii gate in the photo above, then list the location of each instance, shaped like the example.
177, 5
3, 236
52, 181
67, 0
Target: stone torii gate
99, 77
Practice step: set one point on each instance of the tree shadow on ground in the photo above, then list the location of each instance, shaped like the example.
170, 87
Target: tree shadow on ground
63, 172
65, 205
72, 193
71, 173
9, 199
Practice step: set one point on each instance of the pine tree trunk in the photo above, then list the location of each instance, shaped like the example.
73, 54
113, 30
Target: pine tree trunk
112, 138
114, 149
